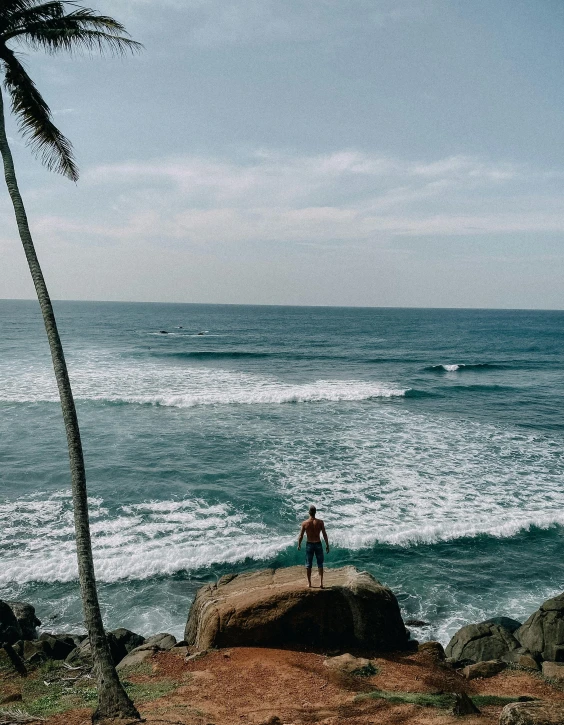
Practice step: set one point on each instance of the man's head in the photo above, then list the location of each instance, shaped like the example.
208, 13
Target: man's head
312, 511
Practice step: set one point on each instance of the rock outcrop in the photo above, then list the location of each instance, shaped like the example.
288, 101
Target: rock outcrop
482, 642
543, 633
274, 607
10, 630
532, 713
17, 621
25, 615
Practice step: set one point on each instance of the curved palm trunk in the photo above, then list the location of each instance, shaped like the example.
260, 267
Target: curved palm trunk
113, 701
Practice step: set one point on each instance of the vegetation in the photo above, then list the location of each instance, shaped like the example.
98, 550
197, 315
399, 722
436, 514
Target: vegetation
56, 26
443, 701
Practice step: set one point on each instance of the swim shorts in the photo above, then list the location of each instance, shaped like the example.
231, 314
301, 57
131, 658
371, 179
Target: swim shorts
311, 549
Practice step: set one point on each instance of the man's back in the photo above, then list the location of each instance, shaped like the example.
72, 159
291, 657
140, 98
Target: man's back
313, 529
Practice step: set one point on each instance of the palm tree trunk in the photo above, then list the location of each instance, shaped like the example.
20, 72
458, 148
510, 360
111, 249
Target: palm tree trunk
113, 701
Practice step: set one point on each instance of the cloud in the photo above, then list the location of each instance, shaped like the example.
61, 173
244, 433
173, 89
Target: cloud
345, 198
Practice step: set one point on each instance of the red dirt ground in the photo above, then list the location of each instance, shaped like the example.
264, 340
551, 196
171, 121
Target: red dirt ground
250, 686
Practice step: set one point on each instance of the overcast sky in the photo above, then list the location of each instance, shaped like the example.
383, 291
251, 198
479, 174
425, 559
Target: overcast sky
334, 152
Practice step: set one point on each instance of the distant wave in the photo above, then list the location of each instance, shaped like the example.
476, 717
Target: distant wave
447, 368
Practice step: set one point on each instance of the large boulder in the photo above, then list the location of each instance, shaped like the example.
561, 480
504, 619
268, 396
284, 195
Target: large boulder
17, 621
543, 633
274, 607
482, 642
10, 630
25, 614
532, 713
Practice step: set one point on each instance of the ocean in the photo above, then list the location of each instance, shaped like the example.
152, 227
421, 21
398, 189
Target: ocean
430, 440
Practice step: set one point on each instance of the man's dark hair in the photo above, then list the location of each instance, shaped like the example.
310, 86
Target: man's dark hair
312, 511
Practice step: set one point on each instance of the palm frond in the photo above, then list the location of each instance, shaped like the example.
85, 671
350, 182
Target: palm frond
81, 30
34, 118
37, 13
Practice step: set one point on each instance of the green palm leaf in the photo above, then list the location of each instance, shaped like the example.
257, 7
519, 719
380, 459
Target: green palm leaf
53, 26
34, 117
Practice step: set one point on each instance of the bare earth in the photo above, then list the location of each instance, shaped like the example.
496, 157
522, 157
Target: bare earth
252, 685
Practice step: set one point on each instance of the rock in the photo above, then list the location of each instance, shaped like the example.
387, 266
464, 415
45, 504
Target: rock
416, 623
532, 713
82, 655
274, 607
481, 642
505, 622
25, 614
61, 644
543, 633
134, 658
349, 665
434, 649
126, 641
37, 651
553, 670
463, 705
10, 630
163, 641
523, 658
483, 669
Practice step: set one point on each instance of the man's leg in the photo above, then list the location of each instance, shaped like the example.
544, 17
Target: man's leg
308, 572
320, 570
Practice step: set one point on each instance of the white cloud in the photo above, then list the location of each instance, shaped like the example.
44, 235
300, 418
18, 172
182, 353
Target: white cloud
347, 197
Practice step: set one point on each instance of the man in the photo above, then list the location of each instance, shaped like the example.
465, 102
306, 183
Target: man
313, 528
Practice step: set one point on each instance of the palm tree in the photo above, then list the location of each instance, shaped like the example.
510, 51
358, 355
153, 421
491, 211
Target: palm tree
56, 26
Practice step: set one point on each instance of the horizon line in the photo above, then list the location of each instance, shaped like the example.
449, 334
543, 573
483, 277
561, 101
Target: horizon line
270, 304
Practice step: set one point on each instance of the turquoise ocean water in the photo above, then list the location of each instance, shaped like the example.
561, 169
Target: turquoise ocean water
430, 440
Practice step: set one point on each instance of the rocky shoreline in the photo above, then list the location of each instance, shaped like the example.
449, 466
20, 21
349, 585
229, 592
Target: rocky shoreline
355, 613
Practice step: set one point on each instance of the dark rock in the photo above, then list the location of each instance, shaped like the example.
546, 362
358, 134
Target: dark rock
532, 713
61, 644
82, 655
274, 606
434, 649
484, 669
9, 655
10, 630
126, 641
481, 642
463, 705
25, 614
37, 650
416, 623
505, 622
543, 633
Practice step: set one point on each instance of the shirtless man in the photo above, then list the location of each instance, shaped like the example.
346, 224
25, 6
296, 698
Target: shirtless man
312, 528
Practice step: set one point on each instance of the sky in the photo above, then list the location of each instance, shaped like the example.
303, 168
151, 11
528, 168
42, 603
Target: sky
369, 152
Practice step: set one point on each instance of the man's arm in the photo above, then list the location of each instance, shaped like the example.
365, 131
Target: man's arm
324, 533
301, 536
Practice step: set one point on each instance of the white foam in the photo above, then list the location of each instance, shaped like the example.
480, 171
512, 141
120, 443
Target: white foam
410, 479
143, 541
451, 368
179, 386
